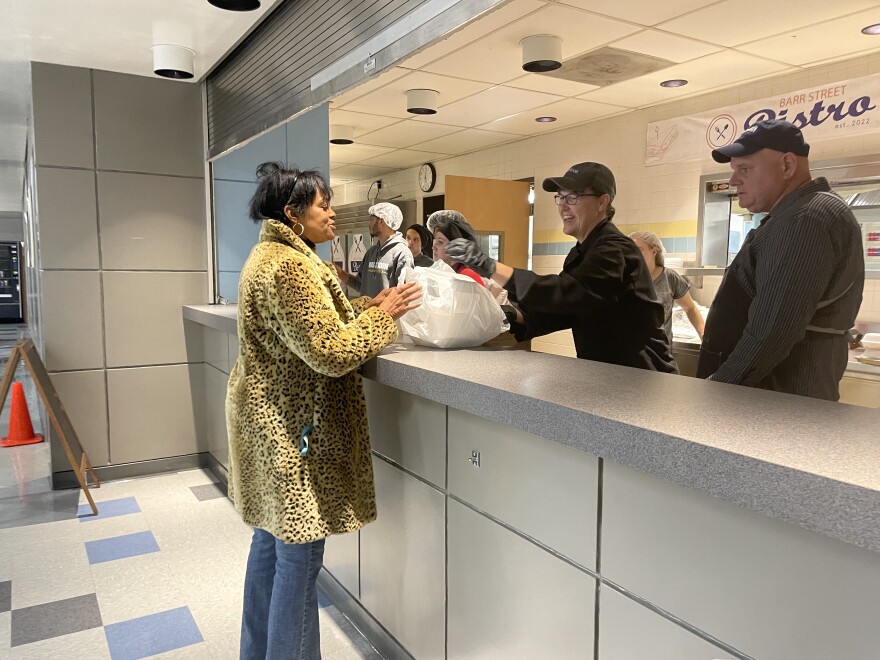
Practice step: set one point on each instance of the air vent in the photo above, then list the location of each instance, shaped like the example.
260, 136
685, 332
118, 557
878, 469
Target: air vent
607, 66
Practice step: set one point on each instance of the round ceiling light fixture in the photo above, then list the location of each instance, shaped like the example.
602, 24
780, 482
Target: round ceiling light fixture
236, 5
422, 101
541, 53
675, 82
340, 134
871, 29
171, 61
545, 120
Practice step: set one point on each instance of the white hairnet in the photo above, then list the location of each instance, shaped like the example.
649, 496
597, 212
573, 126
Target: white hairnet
389, 213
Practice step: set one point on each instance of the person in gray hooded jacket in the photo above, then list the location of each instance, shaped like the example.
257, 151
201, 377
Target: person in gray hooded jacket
385, 260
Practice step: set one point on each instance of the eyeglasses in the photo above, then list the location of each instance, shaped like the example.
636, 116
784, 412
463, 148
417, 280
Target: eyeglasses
572, 198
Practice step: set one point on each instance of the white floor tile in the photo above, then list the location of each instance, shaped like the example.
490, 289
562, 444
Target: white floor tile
42, 573
115, 526
134, 587
91, 644
5, 634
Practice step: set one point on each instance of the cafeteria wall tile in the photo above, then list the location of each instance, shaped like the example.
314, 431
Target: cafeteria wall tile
148, 125
62, 107
143, 322
68, 218
73, 335
84, 395
151, 413
151, 222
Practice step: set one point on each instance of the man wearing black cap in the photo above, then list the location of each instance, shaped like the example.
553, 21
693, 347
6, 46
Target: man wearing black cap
781, 317
604, 292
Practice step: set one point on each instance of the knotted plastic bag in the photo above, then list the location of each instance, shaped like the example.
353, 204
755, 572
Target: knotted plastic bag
455, 311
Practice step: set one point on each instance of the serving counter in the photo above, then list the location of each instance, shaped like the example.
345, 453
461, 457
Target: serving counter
536, 506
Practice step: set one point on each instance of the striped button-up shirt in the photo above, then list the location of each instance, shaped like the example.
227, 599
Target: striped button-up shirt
802, 272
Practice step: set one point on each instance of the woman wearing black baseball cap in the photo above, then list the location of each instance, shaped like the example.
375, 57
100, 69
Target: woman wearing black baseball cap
604, 293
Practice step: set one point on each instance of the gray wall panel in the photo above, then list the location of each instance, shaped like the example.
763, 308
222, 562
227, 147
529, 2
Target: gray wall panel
68, 222
62, 116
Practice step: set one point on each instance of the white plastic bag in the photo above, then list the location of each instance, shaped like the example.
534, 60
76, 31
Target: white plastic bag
455, 311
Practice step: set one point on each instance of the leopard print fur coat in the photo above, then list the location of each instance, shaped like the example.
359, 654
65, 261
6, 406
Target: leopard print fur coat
301, 342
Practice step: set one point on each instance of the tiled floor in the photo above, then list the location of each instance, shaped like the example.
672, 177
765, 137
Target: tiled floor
158, 574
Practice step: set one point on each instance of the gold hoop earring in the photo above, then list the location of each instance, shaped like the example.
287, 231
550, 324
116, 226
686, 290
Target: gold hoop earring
301, 228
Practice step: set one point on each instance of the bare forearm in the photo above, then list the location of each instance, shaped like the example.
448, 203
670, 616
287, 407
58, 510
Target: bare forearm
696, 320
502, 273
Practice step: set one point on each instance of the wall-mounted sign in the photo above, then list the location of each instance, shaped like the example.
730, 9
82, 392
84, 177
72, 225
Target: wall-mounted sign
842, 109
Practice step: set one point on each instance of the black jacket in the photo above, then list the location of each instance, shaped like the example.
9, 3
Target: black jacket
605, 295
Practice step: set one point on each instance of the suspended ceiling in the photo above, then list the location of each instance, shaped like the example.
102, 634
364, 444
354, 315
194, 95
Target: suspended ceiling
487, 99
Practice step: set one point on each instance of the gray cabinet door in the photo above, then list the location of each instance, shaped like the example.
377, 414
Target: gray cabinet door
403, 562
627, 630
508, 598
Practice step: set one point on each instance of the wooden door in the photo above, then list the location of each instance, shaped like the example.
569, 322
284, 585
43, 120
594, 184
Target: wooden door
496, 206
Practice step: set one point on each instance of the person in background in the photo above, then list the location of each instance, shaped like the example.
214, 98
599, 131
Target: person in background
781, 317
385, 260
604, 292
448, 226
669, 285
419, 241
299, 447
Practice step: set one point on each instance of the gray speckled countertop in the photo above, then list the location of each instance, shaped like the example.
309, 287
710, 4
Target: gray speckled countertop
813, 463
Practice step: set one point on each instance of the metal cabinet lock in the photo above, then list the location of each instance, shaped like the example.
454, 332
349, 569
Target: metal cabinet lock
475, 458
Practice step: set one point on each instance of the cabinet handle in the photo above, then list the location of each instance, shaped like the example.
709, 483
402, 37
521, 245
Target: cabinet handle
475, 458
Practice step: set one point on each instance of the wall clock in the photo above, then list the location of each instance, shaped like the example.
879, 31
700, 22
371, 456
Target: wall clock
427, 177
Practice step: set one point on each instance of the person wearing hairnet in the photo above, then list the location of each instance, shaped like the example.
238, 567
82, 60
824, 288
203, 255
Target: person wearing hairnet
604, 293
445, 226
385, 260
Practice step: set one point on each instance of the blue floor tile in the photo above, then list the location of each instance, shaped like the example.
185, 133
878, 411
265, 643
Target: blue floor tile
120, 547
108, 509
152, 634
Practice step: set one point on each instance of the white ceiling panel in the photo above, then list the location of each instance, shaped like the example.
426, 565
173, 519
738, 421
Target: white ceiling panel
713, 71
540, 83
407, 133
734, 22
497, 58
390, 100
360, 121
466, 141
489, 105
489, 22
355, 172
666, 46
354, 153
644, 12
369, 85
403, 158
567, 112
829, 40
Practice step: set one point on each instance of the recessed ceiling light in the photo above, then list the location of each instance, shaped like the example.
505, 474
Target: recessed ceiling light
236, 5
541, 53
871, 29
675, 82
422, 101
545, 120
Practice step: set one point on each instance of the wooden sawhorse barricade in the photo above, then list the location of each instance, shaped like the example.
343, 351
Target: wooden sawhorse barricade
25, 350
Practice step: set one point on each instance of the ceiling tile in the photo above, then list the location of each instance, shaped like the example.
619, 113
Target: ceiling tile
491, 104
567, 112
498, 57
644, 12
407, 133
734, 22
390, 100
538, 83
403, 158
712, 71
369, 85
466, 141
666, 46
489, 22
354, 172
354, 153
360, 121
826, 41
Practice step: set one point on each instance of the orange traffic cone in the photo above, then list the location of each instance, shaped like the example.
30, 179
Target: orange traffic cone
21, 431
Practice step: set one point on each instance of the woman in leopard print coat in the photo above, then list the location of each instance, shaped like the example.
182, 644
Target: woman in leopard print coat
299, 449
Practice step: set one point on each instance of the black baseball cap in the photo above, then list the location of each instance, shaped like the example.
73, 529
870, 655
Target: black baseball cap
594, 176
775, 134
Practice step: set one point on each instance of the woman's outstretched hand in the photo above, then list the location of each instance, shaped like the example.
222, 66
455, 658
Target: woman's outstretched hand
399, 300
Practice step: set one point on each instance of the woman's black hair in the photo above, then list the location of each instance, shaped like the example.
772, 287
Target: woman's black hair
425, 236
278, 187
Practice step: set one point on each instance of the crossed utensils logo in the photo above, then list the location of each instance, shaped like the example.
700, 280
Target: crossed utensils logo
721, 131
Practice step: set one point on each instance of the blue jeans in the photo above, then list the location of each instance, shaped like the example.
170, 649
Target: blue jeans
280, 617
